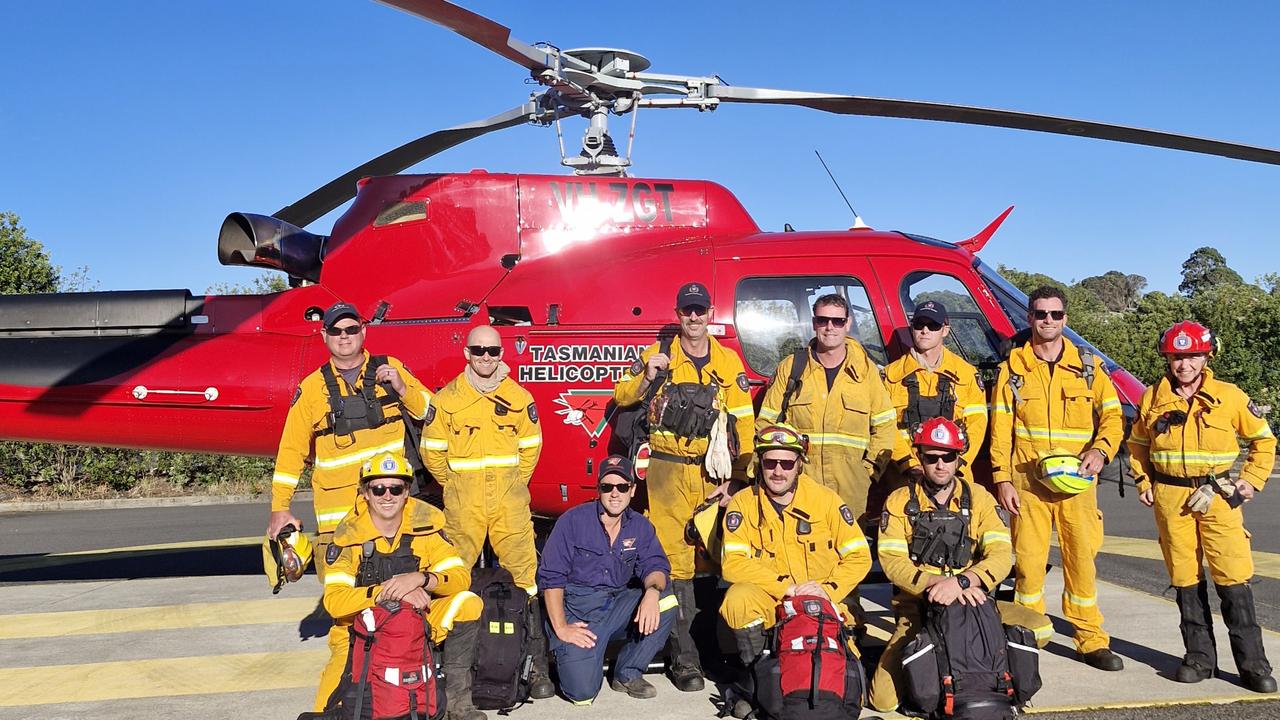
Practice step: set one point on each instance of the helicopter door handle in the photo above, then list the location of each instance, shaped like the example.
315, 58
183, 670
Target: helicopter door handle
142, 392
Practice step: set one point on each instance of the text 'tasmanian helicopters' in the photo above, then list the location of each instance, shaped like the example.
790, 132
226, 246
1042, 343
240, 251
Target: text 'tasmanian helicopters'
576, 271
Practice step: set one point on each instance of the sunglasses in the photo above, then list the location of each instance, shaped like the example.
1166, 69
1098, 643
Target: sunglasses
380, 490
490, 350
691, 310
923, 324
348, 330
824, 320
771, 463
1046, 314
932, 458
622, 487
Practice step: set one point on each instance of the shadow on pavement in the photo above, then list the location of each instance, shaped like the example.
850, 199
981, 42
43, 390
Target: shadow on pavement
118, 565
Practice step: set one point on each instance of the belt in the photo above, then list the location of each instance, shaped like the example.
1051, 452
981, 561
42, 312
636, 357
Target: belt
679, 459
1191, 482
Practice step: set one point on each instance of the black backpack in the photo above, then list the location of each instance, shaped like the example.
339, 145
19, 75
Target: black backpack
503, 654
962, 665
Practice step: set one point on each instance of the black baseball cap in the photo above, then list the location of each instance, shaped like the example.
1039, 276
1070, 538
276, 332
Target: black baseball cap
616, 465
693, 293
931, 310
338, 311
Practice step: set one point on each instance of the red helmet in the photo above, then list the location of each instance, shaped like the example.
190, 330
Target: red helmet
1188, 338
939, 432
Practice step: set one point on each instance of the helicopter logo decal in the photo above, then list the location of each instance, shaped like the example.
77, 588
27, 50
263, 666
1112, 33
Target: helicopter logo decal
585, 407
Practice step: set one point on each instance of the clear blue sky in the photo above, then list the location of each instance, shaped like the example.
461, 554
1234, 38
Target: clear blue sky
128, 130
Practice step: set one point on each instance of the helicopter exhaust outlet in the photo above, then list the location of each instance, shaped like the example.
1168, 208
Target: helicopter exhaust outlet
267, 242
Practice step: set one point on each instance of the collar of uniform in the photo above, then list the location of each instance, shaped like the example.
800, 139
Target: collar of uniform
357, 527
802, 505
360, 376
1166, 395
463, 395
627, 514
1024, 361
679, 356
908, 365
855, 358
953, 502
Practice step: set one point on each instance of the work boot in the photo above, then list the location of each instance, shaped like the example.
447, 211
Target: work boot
1103, 659
686, 670
458, 655
1196, 624
751, 641
1246, 637
540, 685
636, 688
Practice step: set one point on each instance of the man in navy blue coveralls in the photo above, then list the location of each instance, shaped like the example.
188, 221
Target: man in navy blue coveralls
604, 576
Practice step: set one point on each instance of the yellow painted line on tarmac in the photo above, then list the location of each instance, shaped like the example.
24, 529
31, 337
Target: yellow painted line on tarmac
82, 556
145, 619
1246, 696
1265, 564
95, 682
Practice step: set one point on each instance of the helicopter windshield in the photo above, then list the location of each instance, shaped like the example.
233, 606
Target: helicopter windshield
1014, 304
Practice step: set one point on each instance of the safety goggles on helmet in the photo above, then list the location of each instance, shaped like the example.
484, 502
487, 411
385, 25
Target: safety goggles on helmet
1060, 472
285, 557
780, 436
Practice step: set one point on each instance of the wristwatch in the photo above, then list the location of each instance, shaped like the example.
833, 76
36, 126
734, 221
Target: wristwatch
963, 580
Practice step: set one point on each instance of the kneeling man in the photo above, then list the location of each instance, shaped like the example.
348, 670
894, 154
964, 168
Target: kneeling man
604, 576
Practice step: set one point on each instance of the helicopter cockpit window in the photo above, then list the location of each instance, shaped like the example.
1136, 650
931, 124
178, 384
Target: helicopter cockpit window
971, 335
774, 316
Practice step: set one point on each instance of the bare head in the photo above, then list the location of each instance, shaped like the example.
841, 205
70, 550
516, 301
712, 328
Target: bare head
483, 350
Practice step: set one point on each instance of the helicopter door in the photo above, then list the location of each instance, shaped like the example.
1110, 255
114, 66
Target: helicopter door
773, 313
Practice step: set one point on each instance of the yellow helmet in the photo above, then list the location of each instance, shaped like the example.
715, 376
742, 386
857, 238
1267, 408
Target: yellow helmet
285, 557
387, 464
781, 436
1060, 472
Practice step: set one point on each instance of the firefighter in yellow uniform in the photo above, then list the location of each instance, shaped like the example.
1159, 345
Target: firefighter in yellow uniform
481, 441
393, 547
840, 403
685, 469
931, 381
1054, 402
786, 535
342, 414
912, 516
1182, 450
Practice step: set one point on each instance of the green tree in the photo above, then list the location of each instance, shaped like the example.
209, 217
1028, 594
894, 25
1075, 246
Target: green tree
1117, 292
24, 263
1206, 268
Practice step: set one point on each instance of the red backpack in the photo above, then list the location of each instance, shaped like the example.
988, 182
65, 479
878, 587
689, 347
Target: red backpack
393, 669
811, 671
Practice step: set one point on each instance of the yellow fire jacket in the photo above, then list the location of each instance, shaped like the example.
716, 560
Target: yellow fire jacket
970, 407
1205, 442
1058, 412
725, 370
850, 427
469, 435
815, 538
992, 550
343, 599
337, 459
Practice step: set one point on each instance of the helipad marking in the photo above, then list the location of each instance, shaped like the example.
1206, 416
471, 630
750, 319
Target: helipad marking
164, 617
92, 682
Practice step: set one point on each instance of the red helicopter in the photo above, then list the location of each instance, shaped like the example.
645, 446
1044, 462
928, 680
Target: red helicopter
577, 273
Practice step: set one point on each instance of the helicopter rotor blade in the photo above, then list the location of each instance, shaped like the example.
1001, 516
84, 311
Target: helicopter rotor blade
343, 188
478, 29
943, 112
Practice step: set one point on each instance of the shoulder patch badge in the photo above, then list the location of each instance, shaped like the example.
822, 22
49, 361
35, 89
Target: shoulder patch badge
743, 384
431, 415
1003, 515
884, 521
637, 368
977, 380
331, 554
1253, 408
847, 514
733, 521
533, 413
296, 395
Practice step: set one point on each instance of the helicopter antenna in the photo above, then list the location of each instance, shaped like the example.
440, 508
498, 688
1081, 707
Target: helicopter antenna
857, 219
